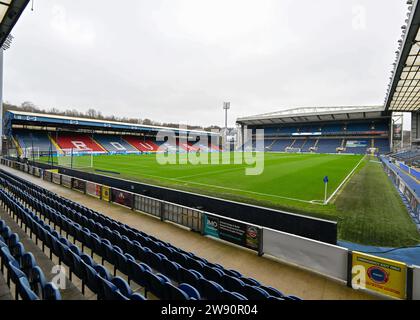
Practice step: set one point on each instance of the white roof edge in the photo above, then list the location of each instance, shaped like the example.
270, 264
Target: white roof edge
104, 121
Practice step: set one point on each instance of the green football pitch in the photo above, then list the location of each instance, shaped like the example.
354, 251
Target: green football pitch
360, 195
284, 178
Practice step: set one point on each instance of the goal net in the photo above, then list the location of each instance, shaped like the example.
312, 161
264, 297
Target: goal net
75, 158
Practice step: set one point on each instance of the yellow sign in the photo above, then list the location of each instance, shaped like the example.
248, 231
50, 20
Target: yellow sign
379, 274
105, 193
53, 170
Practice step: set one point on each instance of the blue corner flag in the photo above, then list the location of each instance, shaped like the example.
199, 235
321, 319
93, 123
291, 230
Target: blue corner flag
326, 179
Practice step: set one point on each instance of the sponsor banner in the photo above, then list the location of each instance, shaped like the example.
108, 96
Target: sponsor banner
122, 197
93, 189
106, 193
79, 185
56, 178
356, 143
233, 231
381, 275
66, 181
37, 172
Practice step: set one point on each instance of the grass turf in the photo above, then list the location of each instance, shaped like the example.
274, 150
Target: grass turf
368, 208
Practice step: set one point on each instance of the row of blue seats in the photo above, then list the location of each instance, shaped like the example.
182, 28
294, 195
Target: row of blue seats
140, 273
97, 277
22, 269
162, 255
115, 256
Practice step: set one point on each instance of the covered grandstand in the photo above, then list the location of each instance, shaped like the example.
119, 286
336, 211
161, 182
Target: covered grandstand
48, 134
356, 130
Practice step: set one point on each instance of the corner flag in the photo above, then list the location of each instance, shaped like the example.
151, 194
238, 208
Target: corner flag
326, 179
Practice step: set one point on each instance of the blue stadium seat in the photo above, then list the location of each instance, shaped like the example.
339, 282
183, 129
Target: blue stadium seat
122, 286
37, 280
51, 292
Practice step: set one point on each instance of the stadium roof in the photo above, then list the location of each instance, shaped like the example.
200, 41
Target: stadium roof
404, 90
39, 119
314, 114
10, 11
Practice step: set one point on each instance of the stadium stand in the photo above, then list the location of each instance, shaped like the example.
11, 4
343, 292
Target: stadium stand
77, 141
280, 145
321, 129
114, 144
160, 268
298, 143
310, 145
382, 145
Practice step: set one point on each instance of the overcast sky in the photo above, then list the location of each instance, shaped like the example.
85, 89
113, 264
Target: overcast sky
178, 60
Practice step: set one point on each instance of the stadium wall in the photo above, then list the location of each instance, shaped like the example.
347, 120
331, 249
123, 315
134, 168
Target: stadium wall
324, 258
313, 228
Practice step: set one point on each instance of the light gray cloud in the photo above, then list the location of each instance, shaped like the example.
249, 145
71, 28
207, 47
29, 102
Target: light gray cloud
178, 60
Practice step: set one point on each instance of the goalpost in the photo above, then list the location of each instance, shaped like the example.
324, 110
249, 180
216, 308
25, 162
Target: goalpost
75, 158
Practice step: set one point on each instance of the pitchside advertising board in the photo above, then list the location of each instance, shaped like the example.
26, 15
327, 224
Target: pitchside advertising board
233, 231
93, 189
122, 197
382, 275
